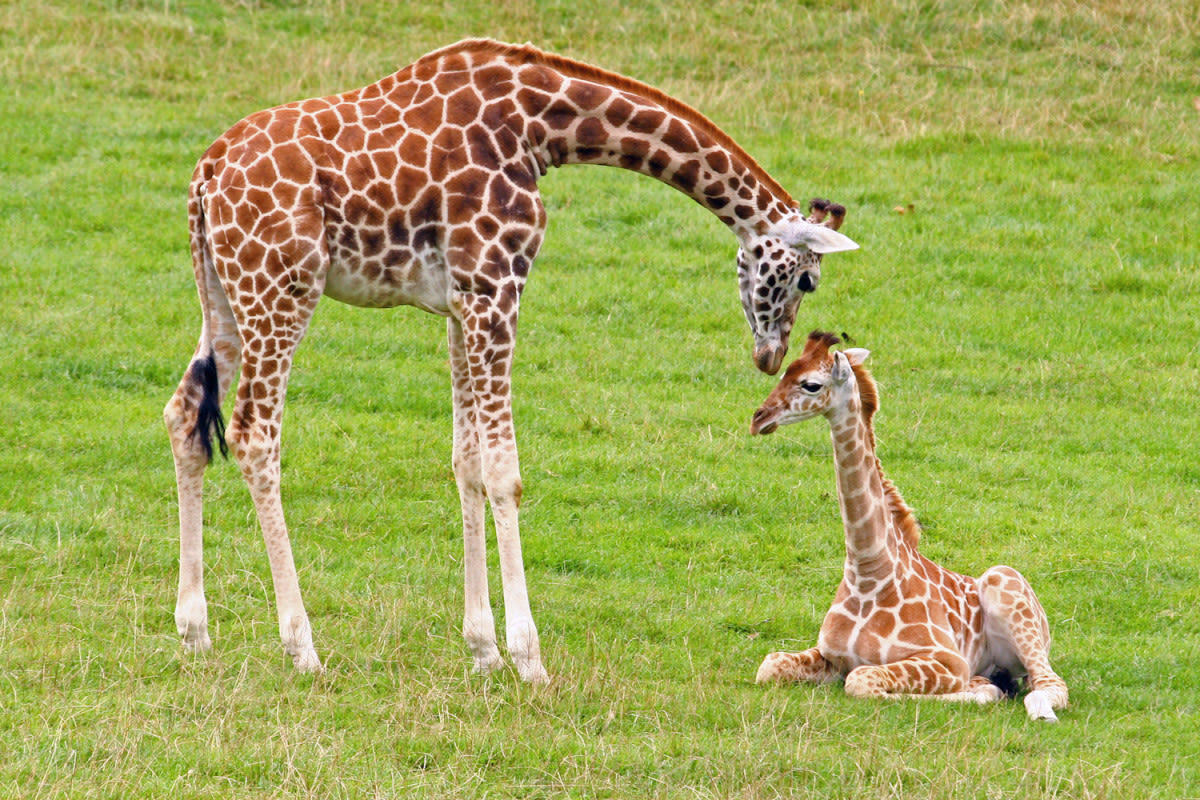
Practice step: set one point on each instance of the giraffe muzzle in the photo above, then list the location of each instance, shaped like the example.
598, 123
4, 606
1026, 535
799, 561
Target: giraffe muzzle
762, 424
769, 357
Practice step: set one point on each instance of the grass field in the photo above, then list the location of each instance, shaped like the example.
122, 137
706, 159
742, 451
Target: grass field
1033, 317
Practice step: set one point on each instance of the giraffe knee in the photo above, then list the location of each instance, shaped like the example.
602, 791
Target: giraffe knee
255, 448
188, 450
179, 423
863, 682
240, 440
997, 581
772, 669
504, 489
248, 437
175, 416
468, 472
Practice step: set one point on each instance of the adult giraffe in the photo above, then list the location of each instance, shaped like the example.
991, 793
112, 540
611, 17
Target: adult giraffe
421, 190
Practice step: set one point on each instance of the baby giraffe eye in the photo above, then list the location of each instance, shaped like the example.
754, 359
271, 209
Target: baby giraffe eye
810, 387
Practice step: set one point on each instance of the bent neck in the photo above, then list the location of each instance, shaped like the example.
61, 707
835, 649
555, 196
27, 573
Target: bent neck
573, 113
633, 133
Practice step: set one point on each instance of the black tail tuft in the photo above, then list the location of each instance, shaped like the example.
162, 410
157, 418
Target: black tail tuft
1005, 682
208, 418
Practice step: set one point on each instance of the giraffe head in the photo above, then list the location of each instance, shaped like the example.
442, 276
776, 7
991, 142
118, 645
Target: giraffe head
818, 383
777, 269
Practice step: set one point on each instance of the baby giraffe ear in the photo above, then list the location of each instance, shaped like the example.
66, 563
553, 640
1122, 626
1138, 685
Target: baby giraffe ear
841, 368
857, 355
817, 238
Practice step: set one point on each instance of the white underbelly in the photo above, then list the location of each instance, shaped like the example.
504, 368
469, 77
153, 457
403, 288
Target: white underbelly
372, 284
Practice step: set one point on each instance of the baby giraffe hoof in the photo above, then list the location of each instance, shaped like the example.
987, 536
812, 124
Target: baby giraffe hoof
1039, 707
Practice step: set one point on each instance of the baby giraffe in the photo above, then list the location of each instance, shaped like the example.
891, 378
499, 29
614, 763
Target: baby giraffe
900, 625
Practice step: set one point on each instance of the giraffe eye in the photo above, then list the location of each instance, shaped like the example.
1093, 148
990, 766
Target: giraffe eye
811, 387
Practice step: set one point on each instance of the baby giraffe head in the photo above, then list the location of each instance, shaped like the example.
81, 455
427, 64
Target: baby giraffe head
819, 383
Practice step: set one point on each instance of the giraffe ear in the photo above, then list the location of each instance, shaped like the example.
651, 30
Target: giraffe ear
857, 355
817, 238
841, 368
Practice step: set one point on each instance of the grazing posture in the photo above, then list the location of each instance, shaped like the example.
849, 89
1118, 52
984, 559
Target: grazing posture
901, 625
421, 190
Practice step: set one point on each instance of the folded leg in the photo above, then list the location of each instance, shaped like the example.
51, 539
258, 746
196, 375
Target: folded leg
807, 667
1017, 629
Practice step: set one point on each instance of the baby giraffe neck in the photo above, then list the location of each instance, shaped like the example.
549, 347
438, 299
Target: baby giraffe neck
860, 493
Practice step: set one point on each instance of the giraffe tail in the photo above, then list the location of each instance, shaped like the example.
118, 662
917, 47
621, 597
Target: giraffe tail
203, 374
1003, 680
209, 420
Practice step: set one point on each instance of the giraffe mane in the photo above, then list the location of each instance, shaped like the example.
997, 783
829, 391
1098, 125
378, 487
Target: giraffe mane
902, 514
528, 54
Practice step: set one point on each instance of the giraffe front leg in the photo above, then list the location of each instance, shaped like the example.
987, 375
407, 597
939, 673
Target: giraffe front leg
479, 626
254, 436
521, 635
807, 667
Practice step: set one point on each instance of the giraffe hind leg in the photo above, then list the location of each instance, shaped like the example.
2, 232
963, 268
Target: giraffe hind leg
1018, 632
192, 417
254, 437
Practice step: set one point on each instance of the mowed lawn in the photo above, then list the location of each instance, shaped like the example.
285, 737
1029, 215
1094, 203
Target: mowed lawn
1022, 178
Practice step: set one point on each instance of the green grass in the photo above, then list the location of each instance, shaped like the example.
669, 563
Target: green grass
1034, 325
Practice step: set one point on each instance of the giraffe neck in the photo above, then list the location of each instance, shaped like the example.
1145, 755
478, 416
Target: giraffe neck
872, 539
681, 152
567, 112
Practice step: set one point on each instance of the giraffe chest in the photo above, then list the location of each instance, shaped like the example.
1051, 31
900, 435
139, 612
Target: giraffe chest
898, 619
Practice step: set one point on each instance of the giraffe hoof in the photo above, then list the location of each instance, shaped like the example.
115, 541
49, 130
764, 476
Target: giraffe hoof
308, 662
195, 638
533, 672
191, 620
526, 652
1039, 707
197, 643
488, 663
